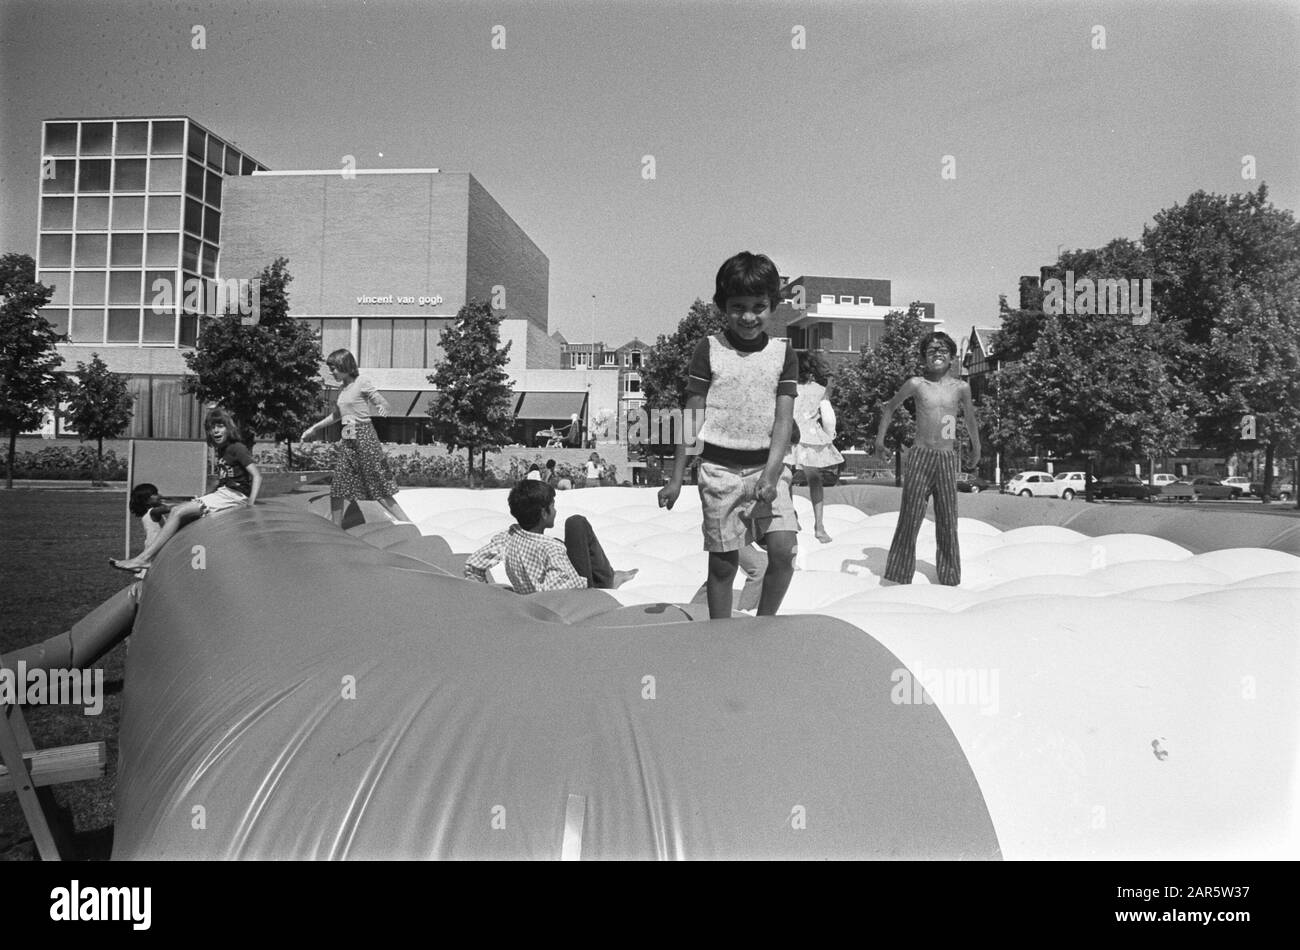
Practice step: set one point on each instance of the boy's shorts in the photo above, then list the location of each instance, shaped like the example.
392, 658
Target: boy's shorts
223, 499
733, 515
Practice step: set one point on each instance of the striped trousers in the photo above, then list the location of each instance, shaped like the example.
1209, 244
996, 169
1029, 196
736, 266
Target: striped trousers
926, 472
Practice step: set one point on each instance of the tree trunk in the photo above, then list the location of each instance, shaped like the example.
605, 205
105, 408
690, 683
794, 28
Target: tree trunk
1268, 472
13, 448
469, 467
898, 468
288, 454
99, 463
1087, 478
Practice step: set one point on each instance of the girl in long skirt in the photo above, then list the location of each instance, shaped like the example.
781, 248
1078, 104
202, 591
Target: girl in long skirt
360, 471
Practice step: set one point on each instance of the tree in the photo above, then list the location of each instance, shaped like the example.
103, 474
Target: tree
99, 405
28, 359
474, 404
863, 387
663, 378
265, 374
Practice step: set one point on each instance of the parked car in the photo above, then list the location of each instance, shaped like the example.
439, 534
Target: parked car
1203, 486
1160, 479
1239, 481
973, 483
1032, 484
1281, 491
1125, 486
829, 475
1069, 484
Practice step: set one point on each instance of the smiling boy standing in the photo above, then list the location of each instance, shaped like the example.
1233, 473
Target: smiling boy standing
743, 383
930, 465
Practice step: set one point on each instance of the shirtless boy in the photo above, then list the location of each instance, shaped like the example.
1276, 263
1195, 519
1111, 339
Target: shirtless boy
930, 465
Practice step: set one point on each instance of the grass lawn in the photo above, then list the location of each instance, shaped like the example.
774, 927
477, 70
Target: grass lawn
53, 546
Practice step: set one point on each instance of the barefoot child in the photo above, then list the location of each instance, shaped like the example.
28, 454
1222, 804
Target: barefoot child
535, 562
815, 421
744, 385
930, 465
238, 485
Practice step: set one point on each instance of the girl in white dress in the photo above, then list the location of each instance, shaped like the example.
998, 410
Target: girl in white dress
815, 418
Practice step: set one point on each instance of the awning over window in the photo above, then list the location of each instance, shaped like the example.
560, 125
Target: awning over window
551, 406
421, 408
400, 401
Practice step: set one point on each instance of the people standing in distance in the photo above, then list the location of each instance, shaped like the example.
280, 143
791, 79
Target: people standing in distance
360, 471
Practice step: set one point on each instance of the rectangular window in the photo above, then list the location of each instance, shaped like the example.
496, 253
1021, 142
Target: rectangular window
160, 291
846, 298
58, 318
211, 225
162, 250
213, 196
164, 212
87, 326
408, 343
97, 138
636, 358
189, 330
209, 260
61, 138
92, 251
56, 214
611, 359
194, 175
128, 249
56, 250
129, 174
214, 152
198, 143
132, 138
232, 161
190, 253
194, 217
92, 214
335, 335
168, 138
165, 174
123, 326
64, 180
124, 288
376, 344
828, 298
159, 328
61, 281
94, 174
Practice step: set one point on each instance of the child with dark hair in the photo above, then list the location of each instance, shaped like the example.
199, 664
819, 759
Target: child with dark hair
814, 418
238, 484
930, 465
535, 562
147, 505
743, 384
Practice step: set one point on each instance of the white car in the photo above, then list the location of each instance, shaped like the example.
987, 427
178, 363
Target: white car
1069, 484
1239, 481
1160, 479
1030, 484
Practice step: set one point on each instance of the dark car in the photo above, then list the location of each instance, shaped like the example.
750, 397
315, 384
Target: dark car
1282, 490
973, 483
829, 476
1124, 486
1203, 486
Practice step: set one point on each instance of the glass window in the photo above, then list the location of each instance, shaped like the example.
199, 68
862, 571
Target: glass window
159, 327
123, 326
56, 214
160, 290
164, 174
128, 213
94, 174
132, 138
61, 281
408, 343
92, 214
168, 137
87, 326
232, 161
193, 216
214, 152
194, 296
128, 250
866, 300
211, 225
56, 250
846, 298
209, 255
249, 166
335, 335
129, 174
58, 318
376, 344
636, 357
61, 138
213, 196
92, 251
164, 212
162, 250
198, 143
97, 138
88, 288
189, 330
64, 180
124, 288
828, 298
190, 253
194, 180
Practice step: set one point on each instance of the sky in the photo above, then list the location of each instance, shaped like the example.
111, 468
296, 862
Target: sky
829, 158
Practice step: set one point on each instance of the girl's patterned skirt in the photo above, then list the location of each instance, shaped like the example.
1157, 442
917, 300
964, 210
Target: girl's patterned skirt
360, 472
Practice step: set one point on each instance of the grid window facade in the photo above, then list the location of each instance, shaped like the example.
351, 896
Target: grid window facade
130, 227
